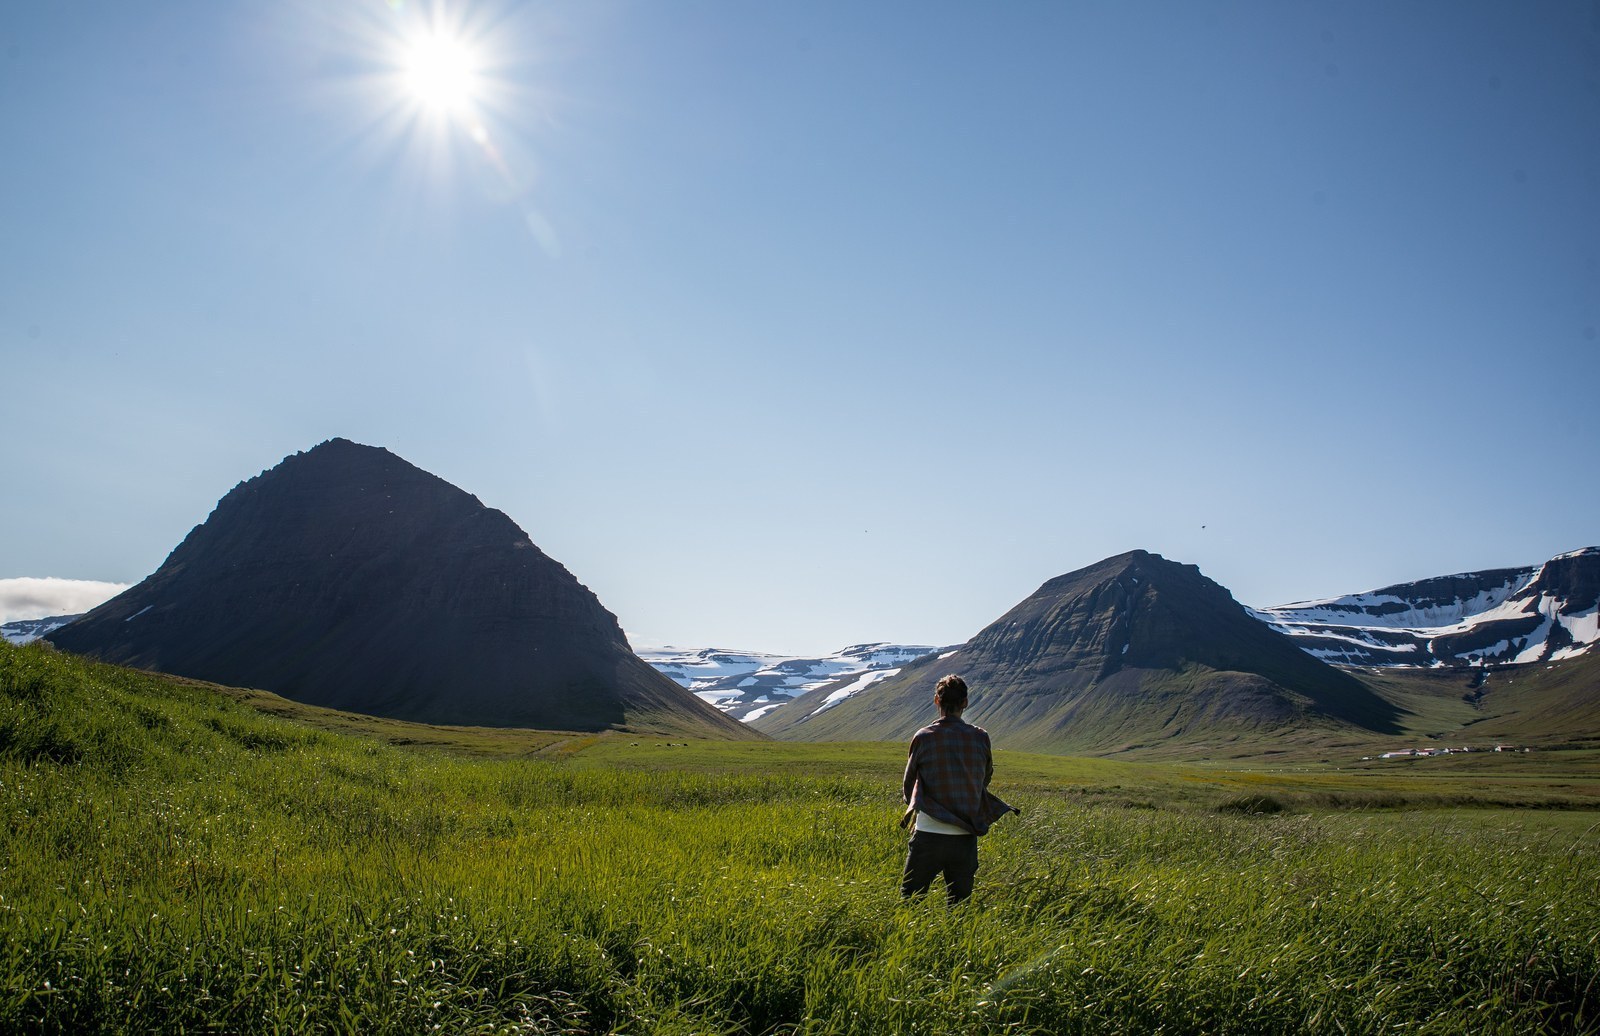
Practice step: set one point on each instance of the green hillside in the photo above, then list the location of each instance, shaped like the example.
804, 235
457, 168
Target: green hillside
1545, 704
176, 859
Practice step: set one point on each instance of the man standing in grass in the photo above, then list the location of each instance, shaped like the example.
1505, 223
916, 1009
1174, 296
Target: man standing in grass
947, 789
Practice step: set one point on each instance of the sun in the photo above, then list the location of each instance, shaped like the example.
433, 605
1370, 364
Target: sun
441, 72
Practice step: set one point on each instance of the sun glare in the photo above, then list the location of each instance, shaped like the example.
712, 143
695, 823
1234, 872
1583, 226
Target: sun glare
449, 85
441, 73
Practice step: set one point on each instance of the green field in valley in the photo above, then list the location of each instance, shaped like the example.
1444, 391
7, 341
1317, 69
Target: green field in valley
180, 858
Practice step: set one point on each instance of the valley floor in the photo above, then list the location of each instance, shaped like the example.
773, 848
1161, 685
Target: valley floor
174, 859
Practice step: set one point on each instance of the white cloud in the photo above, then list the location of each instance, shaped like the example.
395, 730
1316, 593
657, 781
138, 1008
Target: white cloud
29, 598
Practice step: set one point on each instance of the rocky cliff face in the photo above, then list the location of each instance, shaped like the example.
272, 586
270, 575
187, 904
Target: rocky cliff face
1511, 615
349, 578
1132, 649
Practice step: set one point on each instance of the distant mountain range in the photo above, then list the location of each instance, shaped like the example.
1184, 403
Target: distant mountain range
348, 578
1505, 615
22, 631
747, 685
1537, 613
1132, 652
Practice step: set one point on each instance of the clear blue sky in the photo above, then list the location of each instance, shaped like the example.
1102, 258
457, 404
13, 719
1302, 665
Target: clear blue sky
786, 326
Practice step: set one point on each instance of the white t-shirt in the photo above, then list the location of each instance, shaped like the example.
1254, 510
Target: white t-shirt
934, 826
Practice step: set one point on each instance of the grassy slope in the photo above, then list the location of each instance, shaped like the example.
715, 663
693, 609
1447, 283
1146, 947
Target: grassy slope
1543, 704
175, 859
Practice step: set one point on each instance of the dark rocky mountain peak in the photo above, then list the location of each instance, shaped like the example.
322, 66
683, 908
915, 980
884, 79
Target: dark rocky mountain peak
1131, 649
349, 578
1140, 611
1572, 578
1121, 612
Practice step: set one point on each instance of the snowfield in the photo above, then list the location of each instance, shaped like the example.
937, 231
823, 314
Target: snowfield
21, 631
750, 684
1525, 615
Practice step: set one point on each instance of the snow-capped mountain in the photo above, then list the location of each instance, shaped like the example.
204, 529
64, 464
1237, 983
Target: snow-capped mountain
1506, 615
21, 631
700, 668
748, 685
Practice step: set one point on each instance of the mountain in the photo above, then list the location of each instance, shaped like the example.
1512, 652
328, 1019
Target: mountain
1506, 615
1545, 705
698, 668
21, 631
1133, 650
348, 578
749, 685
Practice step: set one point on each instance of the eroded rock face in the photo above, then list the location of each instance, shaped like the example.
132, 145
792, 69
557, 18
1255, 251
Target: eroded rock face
349, 578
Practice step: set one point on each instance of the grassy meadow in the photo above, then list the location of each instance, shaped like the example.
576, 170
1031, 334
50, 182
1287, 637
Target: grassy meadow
176, 858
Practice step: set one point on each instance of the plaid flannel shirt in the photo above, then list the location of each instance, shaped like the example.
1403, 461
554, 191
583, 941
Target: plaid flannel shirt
947, 775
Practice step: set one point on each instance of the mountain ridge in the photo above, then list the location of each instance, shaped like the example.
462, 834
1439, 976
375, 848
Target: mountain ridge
348, 578
1486, 619
1539, 613
1132, 648
25, 631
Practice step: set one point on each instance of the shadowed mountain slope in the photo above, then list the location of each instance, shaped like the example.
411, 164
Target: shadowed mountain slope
1132, 651
346, 577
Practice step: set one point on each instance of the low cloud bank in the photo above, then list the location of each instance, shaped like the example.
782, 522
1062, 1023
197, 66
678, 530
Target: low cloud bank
30, 598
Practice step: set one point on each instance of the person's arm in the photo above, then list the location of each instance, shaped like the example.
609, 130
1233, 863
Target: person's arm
909, 783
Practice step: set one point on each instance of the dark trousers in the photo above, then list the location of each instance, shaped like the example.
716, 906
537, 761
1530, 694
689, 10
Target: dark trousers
956, 856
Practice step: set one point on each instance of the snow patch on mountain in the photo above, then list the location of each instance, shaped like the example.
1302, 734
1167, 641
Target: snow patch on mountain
749, 684
22, 631
855, 687
1517, 615
1584, 628
700, 668
1385, 609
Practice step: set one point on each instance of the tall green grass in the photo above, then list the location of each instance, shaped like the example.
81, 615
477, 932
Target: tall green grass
171, 861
